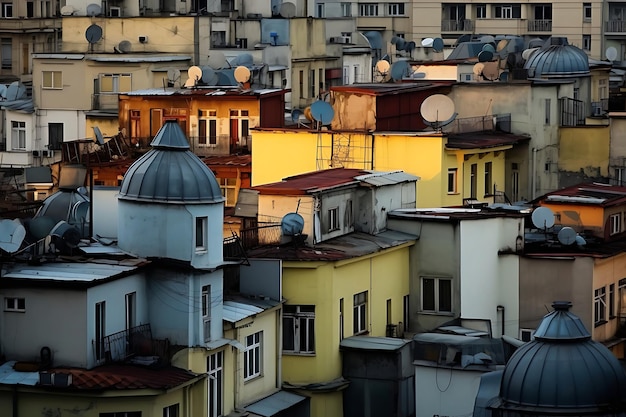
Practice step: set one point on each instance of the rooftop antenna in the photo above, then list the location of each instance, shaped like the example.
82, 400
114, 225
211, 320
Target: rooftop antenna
98, 134
427, 42
438, 111
438, 45
491, 70
93, 34
16, 91
399, 70
67, 10
478, 69
217, 60
94, 10
296, 115
291, 227
124, 47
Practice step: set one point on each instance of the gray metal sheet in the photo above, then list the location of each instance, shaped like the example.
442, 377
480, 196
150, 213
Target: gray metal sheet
9, 376
373, 343
275, 403
234, 311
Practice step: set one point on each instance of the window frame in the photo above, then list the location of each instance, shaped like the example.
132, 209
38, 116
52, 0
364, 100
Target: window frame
252, 356
615, 224
6, 49
215, 385
55, 82
488, 178
453, 174
319, 9
302, 318
15, 304
359, 313
599, 306
171, 410
120, 83
436, 294
395, 9
333, 219
7, 9
201, 234
205, 302
481, 11
586, 40
587, 12
507, 11
18, 135
368, 9
346, 9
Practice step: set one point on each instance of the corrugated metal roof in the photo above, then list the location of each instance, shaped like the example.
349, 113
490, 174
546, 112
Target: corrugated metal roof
234, 311
275, 403
138, 58
59, 56
66, 271
373, 343
379, 179
9, 376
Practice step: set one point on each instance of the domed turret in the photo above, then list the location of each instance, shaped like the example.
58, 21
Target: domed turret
558, 61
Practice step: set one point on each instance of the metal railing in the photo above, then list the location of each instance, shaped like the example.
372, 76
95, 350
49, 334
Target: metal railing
540, 25
572, 112
615, 26
464, 25
118, 347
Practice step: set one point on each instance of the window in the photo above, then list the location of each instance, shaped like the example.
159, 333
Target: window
115, 83
131, 310
239, 126
437, 294
526, 335
346, 9
299, 329
320, 10
30, 9
619, 176
347, 218
368, 9
599, 303
121, 414
207, 127
360, 313
543, 12
488, 178
7, 9
100, 329
395, 9
356, 71
507, 11
346, 75
201, 234
252, 357
473, 180
454, 12
481, 11
587, 42
206, 312
615, 223
341, 319
546, 111
18, 135
215, 374
333, 219
52, 80
55, 135
6, 50
229, 190
389, 311
514, 182
312, 83
171, 411
301, 83
452, 180
15, 304
612, 301
587, 12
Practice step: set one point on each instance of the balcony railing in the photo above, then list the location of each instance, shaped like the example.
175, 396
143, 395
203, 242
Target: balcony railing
118, 347
540, 25
465, 25
615, 26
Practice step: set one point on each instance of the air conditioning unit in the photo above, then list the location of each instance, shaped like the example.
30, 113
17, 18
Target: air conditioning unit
48, 153
346, 39
526, 335
143, 39
337, 39
37, 154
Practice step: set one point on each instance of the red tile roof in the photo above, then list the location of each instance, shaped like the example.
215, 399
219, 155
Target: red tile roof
228, 160
127, 377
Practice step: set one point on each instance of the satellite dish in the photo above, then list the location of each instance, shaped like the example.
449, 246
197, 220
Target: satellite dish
190, 83
504, 76
3, 91
67, 11
12, 234
543, 218
580, 241
502, 44
409, 46
491, 71
478, 68
399, 70
418, 75
173, 74
66, 233
437, 44
94, 10
526, 53
463, 38
292, 224
382, 67
489, 47
209, 76
15, 91
99, 137
427, 42
217, 60
125, 46
611, 53
567, 236
400, 44
485, 56
194, 72
295, 115
394, 39
287, 10
437, 109
322, 112
93, 33
40, 227
535, 43
487, 39
242, 74
307, 113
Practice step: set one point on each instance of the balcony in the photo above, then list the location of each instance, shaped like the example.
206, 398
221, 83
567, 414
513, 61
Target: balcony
615, 26
465, 25
104, 101
132, 344
540, 25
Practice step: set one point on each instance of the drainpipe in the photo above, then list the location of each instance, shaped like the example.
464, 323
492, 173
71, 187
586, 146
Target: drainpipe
534, 174
14, 400
501, 311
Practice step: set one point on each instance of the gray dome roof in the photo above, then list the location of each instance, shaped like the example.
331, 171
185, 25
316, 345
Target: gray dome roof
563, 369
558, 61
170, 172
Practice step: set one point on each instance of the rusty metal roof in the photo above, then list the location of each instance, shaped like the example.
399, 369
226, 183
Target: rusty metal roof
604, 195
228, 160
378, 89
482, 140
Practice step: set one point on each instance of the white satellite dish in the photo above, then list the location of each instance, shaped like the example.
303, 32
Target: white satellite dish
611, 53
173, 74
12, 234
427, 42
437, 108
543, 218
217, 60
526, 53
567, 236
194, 72
67, 11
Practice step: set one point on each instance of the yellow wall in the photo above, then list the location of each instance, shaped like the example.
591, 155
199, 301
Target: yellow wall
606, 272
383, 275
585, 149
591, 217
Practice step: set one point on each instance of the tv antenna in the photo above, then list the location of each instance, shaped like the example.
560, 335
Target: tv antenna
438, 111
